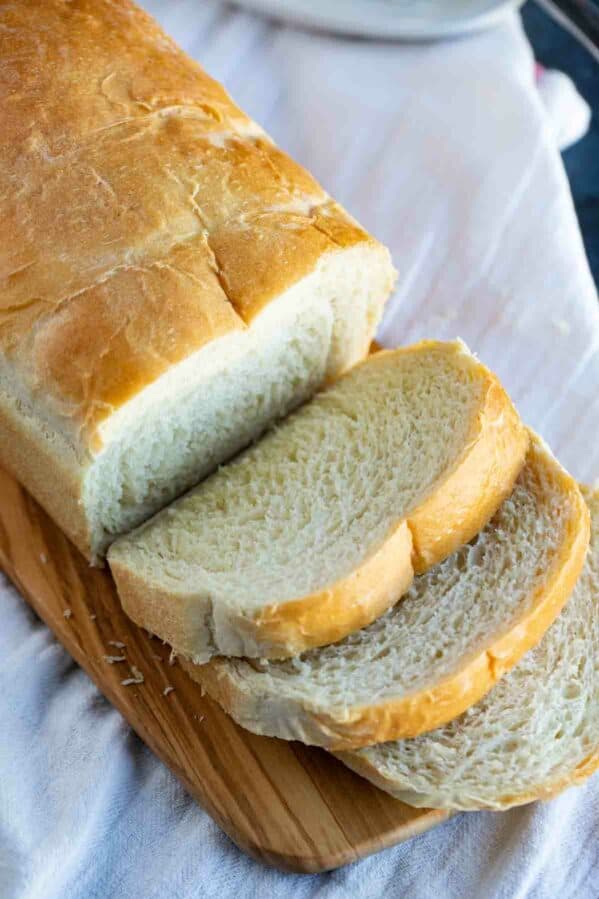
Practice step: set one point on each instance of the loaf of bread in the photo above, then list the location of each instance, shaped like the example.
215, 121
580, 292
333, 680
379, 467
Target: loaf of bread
460, 628
172, 286
533, 735
318, 528
172, 283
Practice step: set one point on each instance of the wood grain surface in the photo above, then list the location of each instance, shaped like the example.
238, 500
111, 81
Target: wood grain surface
285, 804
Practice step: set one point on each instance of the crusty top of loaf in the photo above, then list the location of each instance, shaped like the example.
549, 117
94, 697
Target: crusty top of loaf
143, 213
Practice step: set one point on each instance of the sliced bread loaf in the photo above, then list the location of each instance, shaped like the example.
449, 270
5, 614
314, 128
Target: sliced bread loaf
171, 282
534, 734
316, 530
461, 626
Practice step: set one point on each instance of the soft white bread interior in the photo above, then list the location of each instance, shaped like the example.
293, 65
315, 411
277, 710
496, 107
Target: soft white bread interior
172, 282
220, 399
316, 530
459, 628
533, 735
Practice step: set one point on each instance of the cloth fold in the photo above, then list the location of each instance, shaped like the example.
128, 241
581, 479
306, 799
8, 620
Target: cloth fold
448, 154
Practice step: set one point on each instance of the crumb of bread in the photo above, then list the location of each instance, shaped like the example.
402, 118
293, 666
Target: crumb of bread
167, 690
137, 677
43, 558
93, 617
172, 658
117, 643
112, 660
158, 658
67, 613
202, 690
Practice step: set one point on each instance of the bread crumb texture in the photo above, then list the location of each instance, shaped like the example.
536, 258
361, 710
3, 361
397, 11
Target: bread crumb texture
536, 733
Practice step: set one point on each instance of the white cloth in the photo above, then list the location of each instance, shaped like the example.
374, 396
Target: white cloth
569, 113
446, 153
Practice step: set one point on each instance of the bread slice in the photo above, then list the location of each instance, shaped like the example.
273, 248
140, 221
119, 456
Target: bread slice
533, 735
172, 282
316, 530
461, 626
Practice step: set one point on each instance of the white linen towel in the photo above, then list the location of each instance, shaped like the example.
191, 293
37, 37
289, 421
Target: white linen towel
447, 153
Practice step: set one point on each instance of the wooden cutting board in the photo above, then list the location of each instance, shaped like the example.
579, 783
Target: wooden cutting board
285, 804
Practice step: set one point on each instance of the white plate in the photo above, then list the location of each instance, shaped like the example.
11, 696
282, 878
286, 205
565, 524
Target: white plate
406, 19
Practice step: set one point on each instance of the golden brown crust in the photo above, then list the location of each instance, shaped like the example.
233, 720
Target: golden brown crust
137, 309
481, 479
350, 604
574, 778
278, 249
149, 215
280, 630
362, 766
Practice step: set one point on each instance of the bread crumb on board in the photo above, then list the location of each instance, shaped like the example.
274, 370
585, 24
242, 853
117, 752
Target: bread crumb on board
136, 678
43, 558
113, 660
117, 644
167, 690
93, 617
172, 658
67, 613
